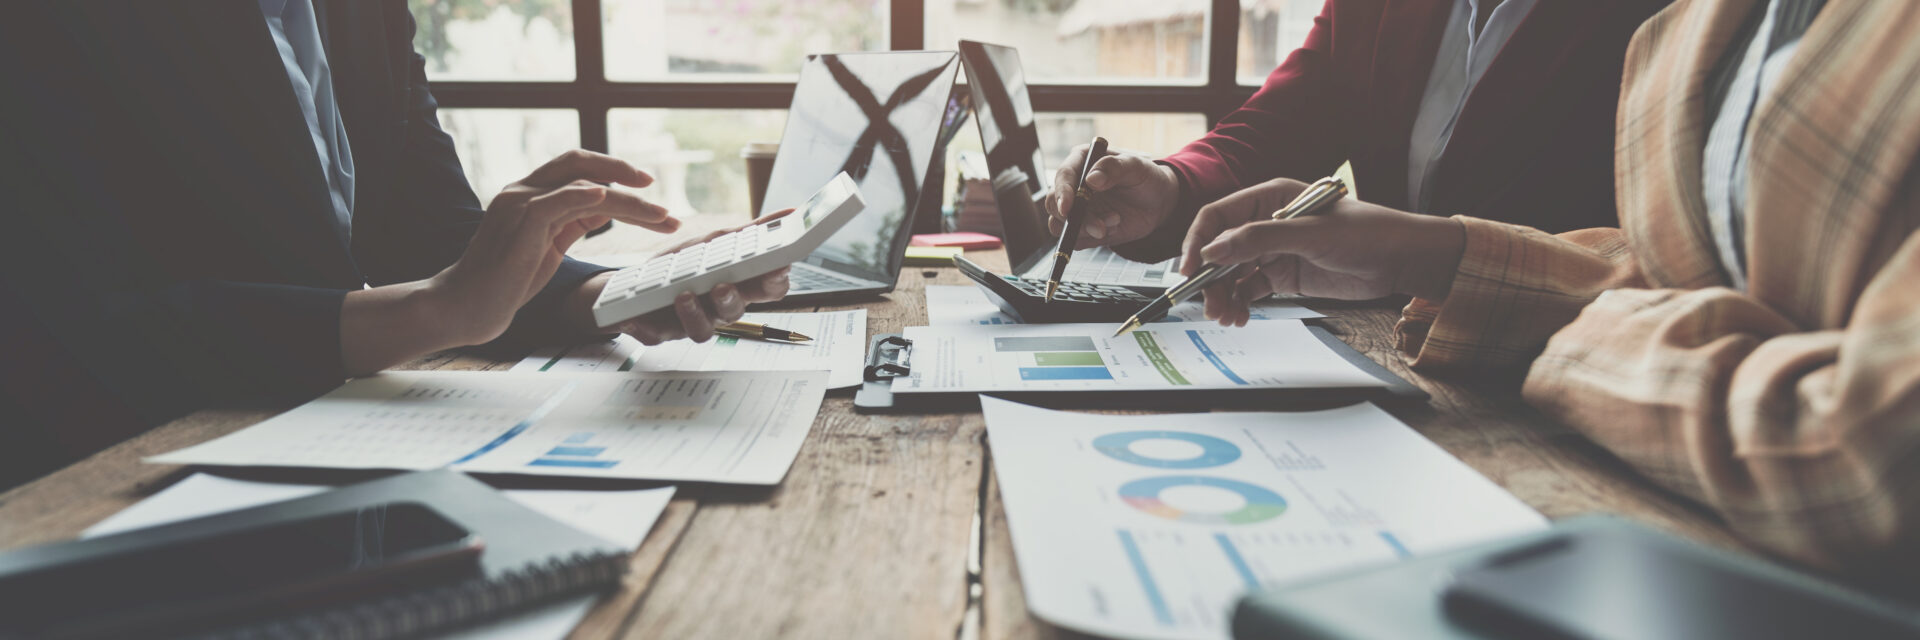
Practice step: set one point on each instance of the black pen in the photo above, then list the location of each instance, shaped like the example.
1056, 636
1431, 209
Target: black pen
1315, 199
1076, 218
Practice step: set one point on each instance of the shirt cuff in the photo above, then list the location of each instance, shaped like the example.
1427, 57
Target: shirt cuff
1501, 309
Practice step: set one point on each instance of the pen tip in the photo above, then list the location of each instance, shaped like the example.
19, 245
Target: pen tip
1052, 286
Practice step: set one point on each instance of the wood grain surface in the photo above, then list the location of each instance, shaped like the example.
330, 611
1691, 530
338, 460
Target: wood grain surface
872, 532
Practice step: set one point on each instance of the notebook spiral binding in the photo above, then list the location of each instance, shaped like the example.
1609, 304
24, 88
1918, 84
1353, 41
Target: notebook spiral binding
410, 614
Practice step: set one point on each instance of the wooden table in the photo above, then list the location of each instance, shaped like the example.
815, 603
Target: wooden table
888, 526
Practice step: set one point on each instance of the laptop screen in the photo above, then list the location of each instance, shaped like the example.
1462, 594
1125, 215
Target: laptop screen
1007, 133
878, 117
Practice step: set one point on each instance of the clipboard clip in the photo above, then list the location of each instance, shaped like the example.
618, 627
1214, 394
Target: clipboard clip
890, 357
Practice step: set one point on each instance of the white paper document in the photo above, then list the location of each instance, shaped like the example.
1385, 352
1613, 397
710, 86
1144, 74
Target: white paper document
622, 517
1152, 526
1088, 357
839, 345
732, 427
965, 304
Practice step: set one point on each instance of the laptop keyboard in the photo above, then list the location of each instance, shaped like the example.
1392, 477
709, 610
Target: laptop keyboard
815, 280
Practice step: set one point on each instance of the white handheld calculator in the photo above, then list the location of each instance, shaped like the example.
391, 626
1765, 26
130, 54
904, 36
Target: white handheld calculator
741, 255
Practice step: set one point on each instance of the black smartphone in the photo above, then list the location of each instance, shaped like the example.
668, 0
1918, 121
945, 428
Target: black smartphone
233, 576
1604, 585
1026, 298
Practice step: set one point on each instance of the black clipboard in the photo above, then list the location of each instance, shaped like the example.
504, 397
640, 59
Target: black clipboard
891, 355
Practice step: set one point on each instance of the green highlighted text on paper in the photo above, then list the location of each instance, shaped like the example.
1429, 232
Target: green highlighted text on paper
1159, 358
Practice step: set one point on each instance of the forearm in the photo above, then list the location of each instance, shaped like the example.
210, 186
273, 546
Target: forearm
1509, 290
386, 326
1802, 440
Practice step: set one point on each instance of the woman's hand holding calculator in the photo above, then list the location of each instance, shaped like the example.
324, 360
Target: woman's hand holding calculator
693, 317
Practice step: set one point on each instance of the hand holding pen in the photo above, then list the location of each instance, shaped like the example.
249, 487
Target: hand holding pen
1316, 198
1354, 250
1076, 218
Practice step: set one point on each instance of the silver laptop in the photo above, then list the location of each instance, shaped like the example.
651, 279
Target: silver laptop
880, 118
1021, 180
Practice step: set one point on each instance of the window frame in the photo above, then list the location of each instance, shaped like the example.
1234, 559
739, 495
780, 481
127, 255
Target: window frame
592, 95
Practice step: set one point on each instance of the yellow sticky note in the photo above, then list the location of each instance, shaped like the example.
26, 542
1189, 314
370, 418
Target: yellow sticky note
932, 256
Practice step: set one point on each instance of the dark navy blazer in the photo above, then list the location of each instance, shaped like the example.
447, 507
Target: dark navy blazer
169, 242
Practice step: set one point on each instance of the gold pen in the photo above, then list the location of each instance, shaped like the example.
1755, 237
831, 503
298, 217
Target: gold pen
1063, 251
759, 331
1315, 199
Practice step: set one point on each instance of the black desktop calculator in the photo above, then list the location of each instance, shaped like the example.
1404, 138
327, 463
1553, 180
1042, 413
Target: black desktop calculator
1026, 298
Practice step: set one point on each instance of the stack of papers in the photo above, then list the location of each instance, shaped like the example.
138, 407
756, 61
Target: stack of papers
1152, 526
733, 427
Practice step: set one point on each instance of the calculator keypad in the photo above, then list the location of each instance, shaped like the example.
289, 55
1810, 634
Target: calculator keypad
1078, 291
692, 261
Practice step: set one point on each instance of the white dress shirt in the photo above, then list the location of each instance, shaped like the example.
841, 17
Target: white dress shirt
1462, 59
297, 34
1723, 173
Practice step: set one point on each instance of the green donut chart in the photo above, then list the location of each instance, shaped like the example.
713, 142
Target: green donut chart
1213, 451
1262, 503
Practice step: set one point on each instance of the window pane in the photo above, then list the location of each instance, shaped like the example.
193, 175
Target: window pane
693, 154
495, 39
499, 146
732, 40
1155, 134
1269, 31
1084, 41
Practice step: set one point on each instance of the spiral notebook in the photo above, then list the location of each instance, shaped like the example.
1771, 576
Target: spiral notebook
529, 559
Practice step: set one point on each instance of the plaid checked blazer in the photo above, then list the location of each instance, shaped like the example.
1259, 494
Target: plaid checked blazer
1793, 408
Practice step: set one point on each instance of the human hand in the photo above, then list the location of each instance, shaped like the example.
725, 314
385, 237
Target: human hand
1352, 250
526, 233
1135, 196
692, 316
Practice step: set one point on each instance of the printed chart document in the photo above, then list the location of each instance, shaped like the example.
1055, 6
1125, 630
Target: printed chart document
735, 427
622, 517
1270, 354
966, 304
839, 345
1152, 526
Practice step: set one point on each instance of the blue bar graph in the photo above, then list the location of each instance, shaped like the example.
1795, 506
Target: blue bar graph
1152, 589
1398, 549
577, 451
1065, 373
1217, 363
583, 464
1239, 563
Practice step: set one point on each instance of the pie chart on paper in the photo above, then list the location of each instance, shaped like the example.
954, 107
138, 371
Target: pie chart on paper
1190, 450
1259, 504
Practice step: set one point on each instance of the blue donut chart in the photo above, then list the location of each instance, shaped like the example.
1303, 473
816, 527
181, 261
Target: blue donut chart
1262, 503
1213, 451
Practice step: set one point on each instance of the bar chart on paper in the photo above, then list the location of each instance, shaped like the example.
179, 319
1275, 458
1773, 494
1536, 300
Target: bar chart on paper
1152, 526
1055, 357
1074, 357
741, 427
965, 304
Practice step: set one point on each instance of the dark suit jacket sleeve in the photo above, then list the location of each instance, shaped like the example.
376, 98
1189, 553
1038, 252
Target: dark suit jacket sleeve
1290, 128
438, 213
